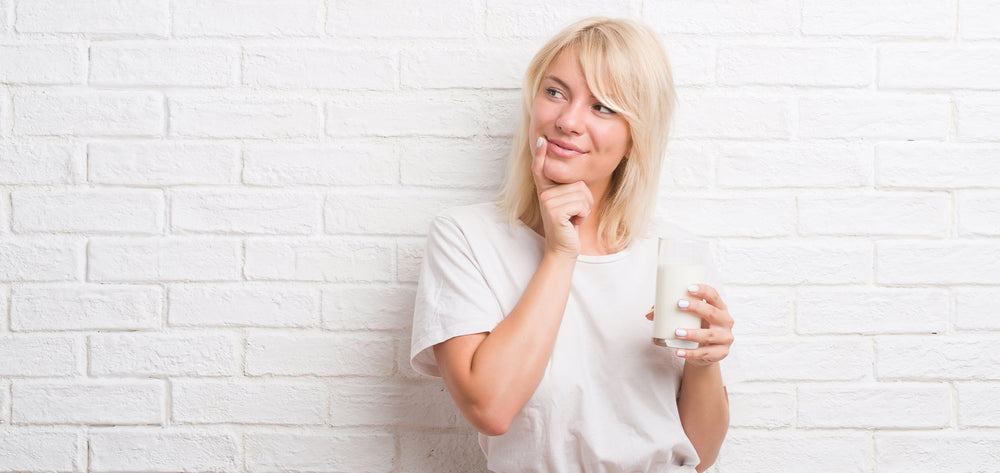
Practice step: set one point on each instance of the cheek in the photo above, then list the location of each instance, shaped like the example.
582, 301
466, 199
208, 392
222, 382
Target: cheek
614, 138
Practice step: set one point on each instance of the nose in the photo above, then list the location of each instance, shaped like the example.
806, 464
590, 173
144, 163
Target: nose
571, 118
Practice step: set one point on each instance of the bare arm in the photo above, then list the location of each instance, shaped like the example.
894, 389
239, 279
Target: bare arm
492, 376
704, 410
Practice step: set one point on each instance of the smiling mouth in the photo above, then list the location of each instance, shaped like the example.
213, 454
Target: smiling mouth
563, 152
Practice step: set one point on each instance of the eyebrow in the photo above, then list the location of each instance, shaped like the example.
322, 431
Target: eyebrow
563, 84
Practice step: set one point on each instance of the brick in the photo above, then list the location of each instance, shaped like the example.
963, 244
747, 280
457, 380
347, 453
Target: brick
944, 262
163, 355
242, 118
410, 403
386, 18
409, 255
228, 18
43, 64
976, 308
334, 260
796, 263
977, 117
88, 113
140, 17
692, 60
454, 164
712, 116
400, 115
245, 212
434, 450
976, 19
161, 163
977, 406
807, 359
88, 402
744, 216
872, 311
368, 307
768, 407
32, 162
491, 67
319, 68
761, 311
255, 305
163, 259
30, 450
4, 394
939, 67
319, 452
978, 213
127, 450
778, 17
39, 259
319, 355
522, 18
876, 117
403, 367
31, 356
915, 19
150, 63
405, 213
91, 210
688, 165
870, 406
881, 213
936, 358
249, 402
795, 450
936, 165
793, 164
953, 451
501, 112
799, 65
338, 165
85, 307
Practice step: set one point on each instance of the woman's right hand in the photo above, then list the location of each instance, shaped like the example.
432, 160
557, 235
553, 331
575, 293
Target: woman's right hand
563, 206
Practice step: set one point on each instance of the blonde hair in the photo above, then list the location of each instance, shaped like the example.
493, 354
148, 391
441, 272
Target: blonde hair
627, 70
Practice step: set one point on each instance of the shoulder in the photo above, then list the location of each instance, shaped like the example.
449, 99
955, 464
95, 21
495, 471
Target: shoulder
472, 217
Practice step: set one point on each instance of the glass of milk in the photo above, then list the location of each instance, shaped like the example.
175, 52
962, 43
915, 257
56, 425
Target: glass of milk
680, 263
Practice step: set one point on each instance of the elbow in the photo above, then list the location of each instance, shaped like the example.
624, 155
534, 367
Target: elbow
489, 422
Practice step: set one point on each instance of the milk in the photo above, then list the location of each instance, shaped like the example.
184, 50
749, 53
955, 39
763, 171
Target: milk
672, 281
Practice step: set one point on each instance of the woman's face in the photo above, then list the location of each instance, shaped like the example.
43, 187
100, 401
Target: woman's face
586, 140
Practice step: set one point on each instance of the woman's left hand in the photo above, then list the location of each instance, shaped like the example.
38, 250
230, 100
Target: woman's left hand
716, 333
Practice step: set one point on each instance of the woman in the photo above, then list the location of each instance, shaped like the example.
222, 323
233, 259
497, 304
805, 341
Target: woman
532, 310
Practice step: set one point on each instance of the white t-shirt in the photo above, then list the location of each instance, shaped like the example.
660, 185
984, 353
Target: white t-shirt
607, 402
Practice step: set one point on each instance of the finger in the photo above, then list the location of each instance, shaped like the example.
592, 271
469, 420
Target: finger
706, 336
709, 313
709, 294
649, 315
705, 355
538, 166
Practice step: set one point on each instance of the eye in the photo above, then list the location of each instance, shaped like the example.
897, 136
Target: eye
555, 93
602, 109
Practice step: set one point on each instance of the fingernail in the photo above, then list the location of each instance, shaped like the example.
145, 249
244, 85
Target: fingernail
683, 303
681, 332
693, 288
539, 142
681, 353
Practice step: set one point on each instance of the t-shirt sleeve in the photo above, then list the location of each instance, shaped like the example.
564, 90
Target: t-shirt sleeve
453, 297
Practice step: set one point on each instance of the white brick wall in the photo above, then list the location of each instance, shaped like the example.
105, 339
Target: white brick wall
213, 213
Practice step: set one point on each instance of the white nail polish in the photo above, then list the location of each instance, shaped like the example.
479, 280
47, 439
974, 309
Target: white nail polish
681, 332
539, 142
693, 288
683, 304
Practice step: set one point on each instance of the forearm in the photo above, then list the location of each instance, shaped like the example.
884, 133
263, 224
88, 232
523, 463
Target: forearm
704, 410
509, 363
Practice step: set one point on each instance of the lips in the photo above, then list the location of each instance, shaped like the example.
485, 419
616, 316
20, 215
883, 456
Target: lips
563, 149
